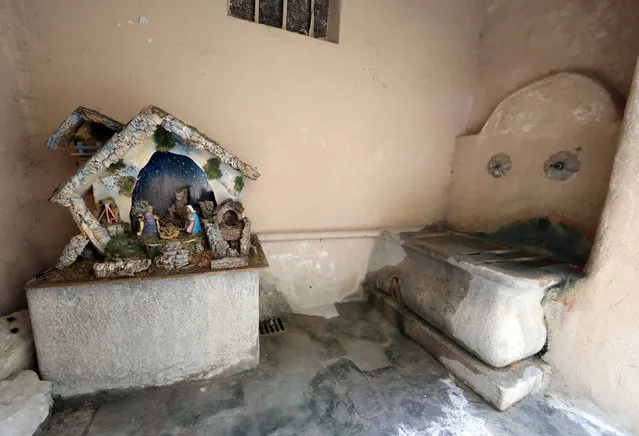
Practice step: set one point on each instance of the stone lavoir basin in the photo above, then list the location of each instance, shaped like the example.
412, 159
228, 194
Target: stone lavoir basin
487, 298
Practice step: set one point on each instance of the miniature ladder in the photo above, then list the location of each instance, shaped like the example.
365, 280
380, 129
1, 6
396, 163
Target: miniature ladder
108, 213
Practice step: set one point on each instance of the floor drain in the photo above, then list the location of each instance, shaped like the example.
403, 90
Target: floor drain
273, 325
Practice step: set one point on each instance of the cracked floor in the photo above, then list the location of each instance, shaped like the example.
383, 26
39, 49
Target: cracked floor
348, 375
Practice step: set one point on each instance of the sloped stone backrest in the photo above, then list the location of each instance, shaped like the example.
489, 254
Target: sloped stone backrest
552, 107
565, 114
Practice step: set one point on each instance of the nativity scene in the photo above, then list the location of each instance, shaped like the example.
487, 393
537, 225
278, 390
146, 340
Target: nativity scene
152, 197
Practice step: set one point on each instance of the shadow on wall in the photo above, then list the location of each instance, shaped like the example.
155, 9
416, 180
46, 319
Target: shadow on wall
546, 151
559, 239
523, 41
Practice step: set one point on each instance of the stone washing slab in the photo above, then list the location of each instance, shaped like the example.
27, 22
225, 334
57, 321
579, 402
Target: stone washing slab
469, 254
493, 310
135, 334
25, 403
16, 344
499, 387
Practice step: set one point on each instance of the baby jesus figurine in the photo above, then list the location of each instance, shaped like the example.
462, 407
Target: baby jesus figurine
192, 225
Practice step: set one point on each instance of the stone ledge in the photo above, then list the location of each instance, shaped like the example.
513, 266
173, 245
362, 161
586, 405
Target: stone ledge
499, 387
515, 268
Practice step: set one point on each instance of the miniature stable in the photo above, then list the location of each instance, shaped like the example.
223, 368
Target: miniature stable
165, 261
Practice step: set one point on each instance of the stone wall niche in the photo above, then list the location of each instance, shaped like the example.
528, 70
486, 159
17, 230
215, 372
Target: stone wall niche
564, 114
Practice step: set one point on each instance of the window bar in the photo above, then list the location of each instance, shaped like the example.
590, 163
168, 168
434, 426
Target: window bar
311, 25
256, 19
284, 14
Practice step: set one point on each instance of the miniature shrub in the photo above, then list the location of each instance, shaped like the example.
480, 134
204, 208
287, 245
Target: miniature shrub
126, 185
212, 169
117, 166
239, 183
163, 139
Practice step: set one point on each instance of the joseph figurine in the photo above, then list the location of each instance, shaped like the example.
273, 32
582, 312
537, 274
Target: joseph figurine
149, 224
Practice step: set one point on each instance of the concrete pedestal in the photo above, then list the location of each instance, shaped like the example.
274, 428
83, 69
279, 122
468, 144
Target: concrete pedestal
140, 333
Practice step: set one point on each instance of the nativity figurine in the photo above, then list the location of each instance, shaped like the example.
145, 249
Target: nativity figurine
192, 225
149, 224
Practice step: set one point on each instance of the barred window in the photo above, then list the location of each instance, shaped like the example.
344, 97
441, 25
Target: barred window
316, 18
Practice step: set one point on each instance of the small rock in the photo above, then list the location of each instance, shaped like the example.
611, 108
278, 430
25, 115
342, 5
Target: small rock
173, 246
173, 259
115, 229
218, 245
245, 240
198, 247
208, 209
25, 403
229, 262
120, 268
71, 252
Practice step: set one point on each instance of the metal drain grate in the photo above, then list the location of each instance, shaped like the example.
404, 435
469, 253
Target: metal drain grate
273, 325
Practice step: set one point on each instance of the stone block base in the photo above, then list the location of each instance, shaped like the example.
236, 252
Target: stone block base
501, 387
141, 333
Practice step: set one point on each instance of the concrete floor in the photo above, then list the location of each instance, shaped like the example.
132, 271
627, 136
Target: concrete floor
350, 375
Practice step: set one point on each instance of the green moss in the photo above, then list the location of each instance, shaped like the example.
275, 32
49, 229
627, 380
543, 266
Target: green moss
163, 139
126, 185
124, 247
117, 166
212, 169
239, 183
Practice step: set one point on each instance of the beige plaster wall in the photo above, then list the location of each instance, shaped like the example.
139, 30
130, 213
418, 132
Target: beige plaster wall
11, 138
25, 247
593, 344
524, 40
353, 135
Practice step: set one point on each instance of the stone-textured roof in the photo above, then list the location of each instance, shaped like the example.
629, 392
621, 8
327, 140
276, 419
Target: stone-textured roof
138, 130
64, 133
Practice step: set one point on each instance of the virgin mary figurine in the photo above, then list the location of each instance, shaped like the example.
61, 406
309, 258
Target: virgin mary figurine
192, 225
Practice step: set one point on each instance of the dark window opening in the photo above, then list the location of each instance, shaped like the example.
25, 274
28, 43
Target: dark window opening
315, 18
